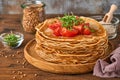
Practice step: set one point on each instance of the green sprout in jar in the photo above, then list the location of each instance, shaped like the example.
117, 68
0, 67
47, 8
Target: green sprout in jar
11, 39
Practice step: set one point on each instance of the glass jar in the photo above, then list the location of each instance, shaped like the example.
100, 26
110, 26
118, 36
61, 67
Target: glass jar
111, 28
33, 14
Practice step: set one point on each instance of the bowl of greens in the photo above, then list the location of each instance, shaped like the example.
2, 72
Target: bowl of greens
12, 39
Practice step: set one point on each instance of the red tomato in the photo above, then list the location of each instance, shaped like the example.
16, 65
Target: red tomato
86, 31
77, 17
69, 33
80, 28
86, 24
57, 31
54, 25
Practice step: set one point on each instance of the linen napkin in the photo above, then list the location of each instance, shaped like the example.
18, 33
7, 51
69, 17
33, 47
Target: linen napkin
108, 69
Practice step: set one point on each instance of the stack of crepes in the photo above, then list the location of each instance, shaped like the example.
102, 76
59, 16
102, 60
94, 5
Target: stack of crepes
81, 49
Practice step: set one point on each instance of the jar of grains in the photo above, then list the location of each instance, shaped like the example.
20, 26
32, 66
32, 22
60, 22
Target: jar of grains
33, 14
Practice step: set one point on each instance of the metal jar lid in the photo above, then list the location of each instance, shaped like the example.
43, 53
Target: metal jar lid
29, 3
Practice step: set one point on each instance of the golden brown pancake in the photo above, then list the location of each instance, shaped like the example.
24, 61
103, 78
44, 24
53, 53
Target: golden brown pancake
80, 49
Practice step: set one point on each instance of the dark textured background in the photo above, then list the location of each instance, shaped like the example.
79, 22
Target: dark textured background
62, 6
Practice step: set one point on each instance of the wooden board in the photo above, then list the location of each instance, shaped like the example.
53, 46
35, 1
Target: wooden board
34, 59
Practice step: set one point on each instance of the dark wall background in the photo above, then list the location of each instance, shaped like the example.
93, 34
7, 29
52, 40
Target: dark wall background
62, 6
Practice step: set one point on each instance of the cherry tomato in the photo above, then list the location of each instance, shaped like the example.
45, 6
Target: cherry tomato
57, 31
77, 17
54, 25
86, 31
69, 33
80, 28
86, 24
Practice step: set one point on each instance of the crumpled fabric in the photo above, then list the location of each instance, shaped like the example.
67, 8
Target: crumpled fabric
107, 69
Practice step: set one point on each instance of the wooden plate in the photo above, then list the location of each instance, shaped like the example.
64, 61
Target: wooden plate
34, 59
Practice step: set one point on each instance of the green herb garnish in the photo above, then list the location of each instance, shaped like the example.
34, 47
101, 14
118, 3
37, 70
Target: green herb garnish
11, 39
92, 30
68, 21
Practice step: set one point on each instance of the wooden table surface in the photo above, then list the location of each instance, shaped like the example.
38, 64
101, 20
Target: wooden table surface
13, 65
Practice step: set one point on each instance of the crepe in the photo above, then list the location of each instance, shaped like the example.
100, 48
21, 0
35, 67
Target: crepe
80, 49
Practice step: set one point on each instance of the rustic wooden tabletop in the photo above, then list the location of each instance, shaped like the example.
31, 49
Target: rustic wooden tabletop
13, 65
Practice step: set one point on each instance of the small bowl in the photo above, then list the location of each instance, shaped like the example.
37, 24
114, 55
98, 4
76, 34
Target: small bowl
111, 28
10, 43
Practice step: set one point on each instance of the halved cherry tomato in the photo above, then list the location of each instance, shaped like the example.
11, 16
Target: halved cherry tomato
57, 31
77, 17
80, 28
54, 25
86, 24
86, 31
69, 33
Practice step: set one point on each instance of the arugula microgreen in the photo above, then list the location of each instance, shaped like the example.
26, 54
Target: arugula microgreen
68, 21
11, 39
